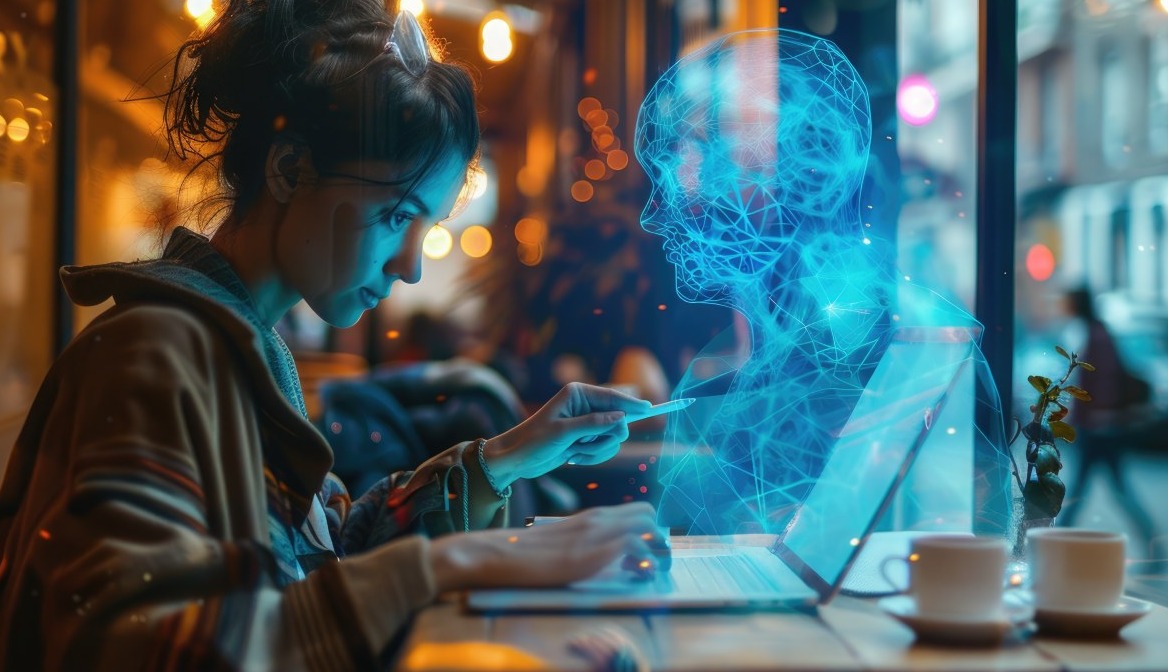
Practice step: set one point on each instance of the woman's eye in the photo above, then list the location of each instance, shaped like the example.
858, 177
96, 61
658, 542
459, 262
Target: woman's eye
398, 220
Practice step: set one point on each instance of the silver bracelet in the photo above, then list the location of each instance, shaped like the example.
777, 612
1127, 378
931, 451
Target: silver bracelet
501, 494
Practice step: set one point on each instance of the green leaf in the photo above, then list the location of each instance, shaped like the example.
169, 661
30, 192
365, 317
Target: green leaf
1055, 491
1047, 461
1062, 430
1086, 366
1054, 393
1059, 350
1077, 392
1040, 383
1059, 414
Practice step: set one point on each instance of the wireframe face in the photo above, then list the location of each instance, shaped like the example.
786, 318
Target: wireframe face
752, 145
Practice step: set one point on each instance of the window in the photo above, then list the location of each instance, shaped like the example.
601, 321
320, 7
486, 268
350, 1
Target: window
1158, 94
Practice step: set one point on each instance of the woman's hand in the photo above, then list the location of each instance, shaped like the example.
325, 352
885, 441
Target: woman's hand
550, 555
583, 424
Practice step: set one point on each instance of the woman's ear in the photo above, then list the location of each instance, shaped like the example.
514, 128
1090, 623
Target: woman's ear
288, 165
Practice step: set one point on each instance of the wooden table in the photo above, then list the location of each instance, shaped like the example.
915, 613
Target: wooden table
847, 634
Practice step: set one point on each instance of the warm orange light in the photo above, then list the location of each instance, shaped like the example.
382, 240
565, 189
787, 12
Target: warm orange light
644, 564
618, 159
530, 230
529, 255
603, 138
594, 169
582, 191
592, 486
455, 656
18, 129
661, 306
475, 241
496, 37
587, 105
392, 334
202, 11
596, 118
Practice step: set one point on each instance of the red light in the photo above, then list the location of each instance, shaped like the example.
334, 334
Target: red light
1040, 262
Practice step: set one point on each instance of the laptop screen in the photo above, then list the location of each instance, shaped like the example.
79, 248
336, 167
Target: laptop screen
873, 452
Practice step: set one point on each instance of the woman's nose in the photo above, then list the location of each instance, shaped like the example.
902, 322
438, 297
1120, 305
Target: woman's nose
407, 266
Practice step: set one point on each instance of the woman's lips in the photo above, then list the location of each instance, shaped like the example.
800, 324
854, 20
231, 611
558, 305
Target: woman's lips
369, 298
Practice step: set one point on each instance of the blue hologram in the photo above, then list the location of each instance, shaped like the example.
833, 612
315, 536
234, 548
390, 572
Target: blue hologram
756, 147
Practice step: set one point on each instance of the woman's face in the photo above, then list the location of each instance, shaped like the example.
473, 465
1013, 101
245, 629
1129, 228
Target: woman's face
344, 241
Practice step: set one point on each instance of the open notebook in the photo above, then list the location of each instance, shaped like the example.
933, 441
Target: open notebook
806, 564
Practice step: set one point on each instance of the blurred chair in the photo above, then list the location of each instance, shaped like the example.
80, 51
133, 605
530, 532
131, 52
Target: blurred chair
400, 414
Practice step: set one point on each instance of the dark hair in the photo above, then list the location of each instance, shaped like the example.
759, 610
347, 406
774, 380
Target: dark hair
315, 72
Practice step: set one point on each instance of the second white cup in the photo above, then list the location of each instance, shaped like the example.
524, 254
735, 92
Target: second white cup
1074, 569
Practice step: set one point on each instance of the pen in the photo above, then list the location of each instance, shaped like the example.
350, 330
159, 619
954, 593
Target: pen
660, 409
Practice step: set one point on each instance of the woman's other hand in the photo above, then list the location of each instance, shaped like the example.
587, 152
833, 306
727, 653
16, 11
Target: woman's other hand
582, 424
551, 555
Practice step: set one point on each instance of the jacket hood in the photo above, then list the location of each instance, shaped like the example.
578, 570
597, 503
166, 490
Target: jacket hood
304, 457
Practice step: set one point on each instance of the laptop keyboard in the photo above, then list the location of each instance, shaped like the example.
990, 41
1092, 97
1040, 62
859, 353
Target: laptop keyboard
725, 573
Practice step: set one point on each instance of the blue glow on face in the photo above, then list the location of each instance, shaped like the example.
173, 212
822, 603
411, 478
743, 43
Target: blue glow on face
756, 147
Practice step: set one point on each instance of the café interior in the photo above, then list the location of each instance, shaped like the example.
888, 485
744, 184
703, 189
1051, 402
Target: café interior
1019, 157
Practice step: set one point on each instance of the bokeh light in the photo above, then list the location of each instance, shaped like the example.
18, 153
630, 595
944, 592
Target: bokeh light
587, 105
529, 255
415, 7
531, 230
202, 11
618, 159
594, 169
438, 242
582, 191
1040, 262
496, 38
916, 100
475, 241
18, 129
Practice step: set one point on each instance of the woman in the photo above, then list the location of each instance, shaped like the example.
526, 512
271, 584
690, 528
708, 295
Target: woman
166, 503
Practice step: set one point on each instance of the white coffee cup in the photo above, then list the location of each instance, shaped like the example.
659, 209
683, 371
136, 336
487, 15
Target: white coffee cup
1074, 569
955, 576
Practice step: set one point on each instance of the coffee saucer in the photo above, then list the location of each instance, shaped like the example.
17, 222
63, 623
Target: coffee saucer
1089, 624
1014, 615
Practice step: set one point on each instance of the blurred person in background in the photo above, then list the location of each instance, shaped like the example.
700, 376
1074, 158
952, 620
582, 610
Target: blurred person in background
1103, 423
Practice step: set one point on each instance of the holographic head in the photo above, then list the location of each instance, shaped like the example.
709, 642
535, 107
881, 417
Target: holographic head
751, 144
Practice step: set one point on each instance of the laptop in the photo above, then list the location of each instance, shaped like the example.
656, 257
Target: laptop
806, 564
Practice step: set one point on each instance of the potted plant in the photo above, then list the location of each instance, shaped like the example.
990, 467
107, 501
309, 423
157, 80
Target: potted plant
1042, 491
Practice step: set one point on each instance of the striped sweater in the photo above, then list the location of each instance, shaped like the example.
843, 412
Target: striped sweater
167, 505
